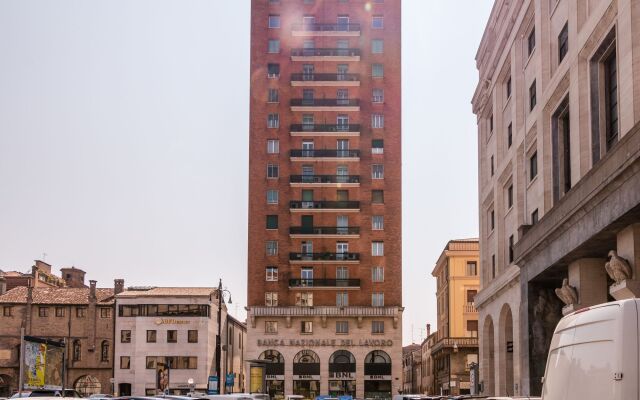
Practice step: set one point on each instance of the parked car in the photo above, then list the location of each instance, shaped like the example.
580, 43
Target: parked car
101, 397
594, 354
47, 393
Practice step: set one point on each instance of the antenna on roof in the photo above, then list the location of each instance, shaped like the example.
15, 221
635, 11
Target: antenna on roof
44, 256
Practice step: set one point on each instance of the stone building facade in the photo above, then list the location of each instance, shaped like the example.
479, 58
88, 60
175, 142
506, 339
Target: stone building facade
324, 246
83, 317
411, 369
558, 106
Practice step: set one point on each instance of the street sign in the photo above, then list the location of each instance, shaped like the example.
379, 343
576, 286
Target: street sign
212, 387
229, 381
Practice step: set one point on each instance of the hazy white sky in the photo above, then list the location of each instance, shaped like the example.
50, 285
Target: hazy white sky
124, 140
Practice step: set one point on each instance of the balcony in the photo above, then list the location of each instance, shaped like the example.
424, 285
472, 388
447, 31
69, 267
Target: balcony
325, 54
324, 258
324, 283
324, 206
325, 105
340, 232
325, 180
324, 155
325, 130
470, 308
313, 29
314, 79
455, 343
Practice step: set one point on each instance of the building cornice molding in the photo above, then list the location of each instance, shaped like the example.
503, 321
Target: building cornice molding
498, 286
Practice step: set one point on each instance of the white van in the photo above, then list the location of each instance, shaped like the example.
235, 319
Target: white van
594, 354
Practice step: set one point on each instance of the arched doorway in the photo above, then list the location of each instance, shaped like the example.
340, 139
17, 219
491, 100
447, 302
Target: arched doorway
306, 374
87, 385
377, 375
506, 352
488, 358
6, 386
342, 374
274, 372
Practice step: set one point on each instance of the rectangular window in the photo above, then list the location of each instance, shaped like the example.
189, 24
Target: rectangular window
60, 312
125, 336
493, 266
272, 274
611, 99
273, 121
377, 95
172, 336
272, 196
377, 71
472, 327
533, 166
43, 311
492, 166
377, 249
534, 217
274, 21
273, 70
342, 299
7, 311
377, 171
509, 135
377, 222
274, 96
125, 362
192, 336
491, 123
377, 327
81, 312
271, 299
272, 222
563, 42
273, 171
377, 274
151, 336
342, 273
531, 41
510, 249
377, 46
304, 299
377, 120
377, 299
377, 22
105, 312
272, 247
306, 327
532, 96
471, 295
274, 46
377, 197
377, 146
273, 146
508, 85
561, 150
492, 220
510, 196
270, 326
472, 268
342, 327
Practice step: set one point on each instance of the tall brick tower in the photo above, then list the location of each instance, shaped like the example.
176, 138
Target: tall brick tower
325, 250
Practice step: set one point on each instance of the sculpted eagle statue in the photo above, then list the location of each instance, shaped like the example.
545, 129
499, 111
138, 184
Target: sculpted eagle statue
618, 268
566, 293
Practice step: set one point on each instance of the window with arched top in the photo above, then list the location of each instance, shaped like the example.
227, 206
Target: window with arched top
77, 350
306, 362
342, 361
104, 351
276, 362
377, 362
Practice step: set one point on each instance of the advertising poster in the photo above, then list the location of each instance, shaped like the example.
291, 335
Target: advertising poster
43, 364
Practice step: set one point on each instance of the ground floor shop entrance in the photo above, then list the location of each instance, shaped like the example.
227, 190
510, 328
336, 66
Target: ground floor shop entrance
307, 389
342, 388
377, 389
275, 389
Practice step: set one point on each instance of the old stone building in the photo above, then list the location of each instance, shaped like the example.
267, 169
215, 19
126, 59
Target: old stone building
427, 368
558, 106
40, 275
411, 368
82, 317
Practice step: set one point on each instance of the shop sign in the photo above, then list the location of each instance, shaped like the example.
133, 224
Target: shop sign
342, 375
306, 377
171, 321
377, 377
275, 377
325, 342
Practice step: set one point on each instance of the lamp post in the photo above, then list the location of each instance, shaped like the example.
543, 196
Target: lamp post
221, 293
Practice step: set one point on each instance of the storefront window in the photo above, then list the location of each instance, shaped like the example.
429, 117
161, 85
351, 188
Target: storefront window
274, 373
377, 370
342, 374
306, 374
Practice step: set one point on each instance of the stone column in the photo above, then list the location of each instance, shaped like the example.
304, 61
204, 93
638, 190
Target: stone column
589, 278
628, 248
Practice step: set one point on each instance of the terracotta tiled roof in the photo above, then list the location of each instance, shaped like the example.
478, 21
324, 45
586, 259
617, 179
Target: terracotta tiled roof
57, 296
166, 292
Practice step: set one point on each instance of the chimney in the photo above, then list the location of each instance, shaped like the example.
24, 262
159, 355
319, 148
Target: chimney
428, 330
118, 286
3, 284
92, 291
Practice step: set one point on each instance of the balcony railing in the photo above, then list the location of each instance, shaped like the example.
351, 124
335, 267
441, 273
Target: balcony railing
324, 179
325, 153
452, 342
325, 77
470, 308
327, 52
349, 311
325, 102
347, 27
346, 205
324, 283
324, 128
324, 230
324, 256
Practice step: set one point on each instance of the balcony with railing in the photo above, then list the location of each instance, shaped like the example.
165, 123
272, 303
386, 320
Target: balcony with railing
325, 231
324, 283
325, 105
306, 154
329, 180
325, 54
325, 257
328, 206
323, 79
455, 343
325, 129
318, 29
470, 308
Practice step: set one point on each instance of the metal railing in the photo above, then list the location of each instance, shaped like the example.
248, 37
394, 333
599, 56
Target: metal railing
325, 52
325, 153
324, 179
324, 256
324, 128
324, 283
338, 77
324, 230
317, 27
346, 205
325, 102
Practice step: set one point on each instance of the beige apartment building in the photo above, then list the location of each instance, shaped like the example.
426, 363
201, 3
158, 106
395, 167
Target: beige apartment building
557, 105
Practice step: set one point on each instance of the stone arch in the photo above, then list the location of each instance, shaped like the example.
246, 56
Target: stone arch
306, 362
87, 385
505, 351
377, 362
342, 361
488, 362
276, 362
